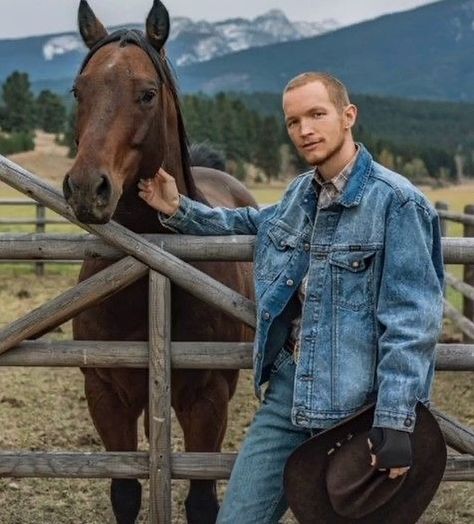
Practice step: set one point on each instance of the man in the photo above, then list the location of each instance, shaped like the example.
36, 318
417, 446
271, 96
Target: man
348, 276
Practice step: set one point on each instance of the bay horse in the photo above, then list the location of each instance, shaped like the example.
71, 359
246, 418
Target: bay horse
129, 123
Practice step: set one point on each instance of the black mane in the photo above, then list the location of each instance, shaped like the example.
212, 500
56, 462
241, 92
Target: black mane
167, 77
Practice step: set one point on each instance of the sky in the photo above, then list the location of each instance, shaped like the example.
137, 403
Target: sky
36, 17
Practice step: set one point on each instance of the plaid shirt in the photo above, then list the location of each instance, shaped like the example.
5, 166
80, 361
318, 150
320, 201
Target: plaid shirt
329, 192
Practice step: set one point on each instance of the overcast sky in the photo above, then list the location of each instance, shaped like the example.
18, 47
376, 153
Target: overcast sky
35, 17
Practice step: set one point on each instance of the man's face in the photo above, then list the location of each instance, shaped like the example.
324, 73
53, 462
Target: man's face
315, 126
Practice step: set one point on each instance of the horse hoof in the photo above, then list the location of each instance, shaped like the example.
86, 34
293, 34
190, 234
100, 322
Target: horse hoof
126, 498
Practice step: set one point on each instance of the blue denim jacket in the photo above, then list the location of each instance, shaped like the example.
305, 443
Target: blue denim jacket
374, 302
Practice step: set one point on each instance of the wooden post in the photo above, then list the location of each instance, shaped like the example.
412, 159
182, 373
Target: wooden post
159, 403
468, 304
443, 206
40, 228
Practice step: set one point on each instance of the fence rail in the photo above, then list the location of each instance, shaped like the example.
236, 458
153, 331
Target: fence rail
140, 256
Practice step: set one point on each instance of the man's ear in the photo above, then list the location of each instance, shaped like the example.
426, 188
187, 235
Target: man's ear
350, 116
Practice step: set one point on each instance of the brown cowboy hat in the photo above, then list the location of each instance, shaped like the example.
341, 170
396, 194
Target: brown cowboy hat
329, 479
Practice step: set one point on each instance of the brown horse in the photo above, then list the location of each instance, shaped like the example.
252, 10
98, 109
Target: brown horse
128, 124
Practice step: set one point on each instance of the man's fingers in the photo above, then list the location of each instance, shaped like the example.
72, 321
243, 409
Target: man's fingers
397, 472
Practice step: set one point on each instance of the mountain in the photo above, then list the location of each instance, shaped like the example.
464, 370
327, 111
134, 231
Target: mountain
52, 60
422, 53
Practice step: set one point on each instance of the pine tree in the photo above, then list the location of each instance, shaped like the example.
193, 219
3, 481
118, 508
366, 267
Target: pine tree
51, 112
18, 112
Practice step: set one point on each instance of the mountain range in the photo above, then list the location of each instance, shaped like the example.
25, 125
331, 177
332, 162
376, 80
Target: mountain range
53, 59
423, 53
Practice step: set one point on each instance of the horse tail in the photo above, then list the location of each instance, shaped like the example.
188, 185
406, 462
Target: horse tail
205, 154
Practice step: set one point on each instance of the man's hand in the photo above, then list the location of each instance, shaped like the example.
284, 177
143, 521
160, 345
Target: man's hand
160, 192
391, 450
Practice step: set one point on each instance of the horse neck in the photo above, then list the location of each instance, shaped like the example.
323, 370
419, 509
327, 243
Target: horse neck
131, 210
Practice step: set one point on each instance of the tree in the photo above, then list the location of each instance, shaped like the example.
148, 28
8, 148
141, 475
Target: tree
50, 112
268, 148
18, 112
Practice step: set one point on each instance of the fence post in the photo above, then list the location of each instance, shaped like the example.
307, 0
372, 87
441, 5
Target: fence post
159, 315
40, 228
443, 206
468, 305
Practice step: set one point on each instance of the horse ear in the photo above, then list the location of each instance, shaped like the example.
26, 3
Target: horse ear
92, 31
158, 25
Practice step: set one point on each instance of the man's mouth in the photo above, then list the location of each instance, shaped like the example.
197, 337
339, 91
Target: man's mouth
312, 145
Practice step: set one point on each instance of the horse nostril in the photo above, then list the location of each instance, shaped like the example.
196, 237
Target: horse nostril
68, 187
104, 189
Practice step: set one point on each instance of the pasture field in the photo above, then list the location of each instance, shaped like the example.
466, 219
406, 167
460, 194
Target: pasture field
45, 409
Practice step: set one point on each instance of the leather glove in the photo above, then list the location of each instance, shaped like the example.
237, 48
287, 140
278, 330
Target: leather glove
391, 447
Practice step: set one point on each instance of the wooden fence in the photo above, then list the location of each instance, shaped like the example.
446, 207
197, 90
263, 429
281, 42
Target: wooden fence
136, 257
39, 220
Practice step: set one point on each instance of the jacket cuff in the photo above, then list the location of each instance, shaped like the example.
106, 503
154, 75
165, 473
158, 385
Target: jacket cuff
402, 421
175, 221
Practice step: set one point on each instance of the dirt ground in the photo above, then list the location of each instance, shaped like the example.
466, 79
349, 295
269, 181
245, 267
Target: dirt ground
45, 409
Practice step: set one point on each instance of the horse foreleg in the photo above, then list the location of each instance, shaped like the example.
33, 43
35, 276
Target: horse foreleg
202, 414
115, 414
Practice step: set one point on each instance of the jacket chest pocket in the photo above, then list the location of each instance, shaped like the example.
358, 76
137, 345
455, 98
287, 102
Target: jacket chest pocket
273, 252
352, 276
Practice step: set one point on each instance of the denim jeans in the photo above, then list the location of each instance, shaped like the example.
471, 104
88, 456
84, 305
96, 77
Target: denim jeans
255, 491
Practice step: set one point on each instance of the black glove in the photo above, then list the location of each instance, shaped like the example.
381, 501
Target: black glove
391, 447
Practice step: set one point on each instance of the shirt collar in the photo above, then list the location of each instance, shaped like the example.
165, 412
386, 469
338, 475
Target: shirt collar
340, 180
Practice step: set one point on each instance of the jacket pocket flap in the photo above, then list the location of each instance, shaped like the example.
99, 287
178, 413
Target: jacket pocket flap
352, 260
281, 238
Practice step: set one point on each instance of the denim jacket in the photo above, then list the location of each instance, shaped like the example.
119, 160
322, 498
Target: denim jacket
374, 303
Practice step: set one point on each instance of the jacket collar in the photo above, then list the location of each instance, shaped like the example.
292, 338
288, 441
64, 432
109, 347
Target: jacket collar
352, 194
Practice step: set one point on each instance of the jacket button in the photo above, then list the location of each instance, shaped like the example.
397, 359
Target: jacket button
408, 422
266, 315
355, 264
289, 282
306, 246
282, 242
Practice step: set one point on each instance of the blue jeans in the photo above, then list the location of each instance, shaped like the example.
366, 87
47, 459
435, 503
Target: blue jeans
255, 491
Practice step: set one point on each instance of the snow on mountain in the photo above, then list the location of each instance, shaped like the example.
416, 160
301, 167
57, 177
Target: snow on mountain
196, 41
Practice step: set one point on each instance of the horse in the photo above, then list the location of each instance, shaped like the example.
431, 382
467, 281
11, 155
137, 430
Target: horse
129, 123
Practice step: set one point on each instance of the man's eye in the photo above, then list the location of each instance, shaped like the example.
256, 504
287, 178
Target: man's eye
318, 114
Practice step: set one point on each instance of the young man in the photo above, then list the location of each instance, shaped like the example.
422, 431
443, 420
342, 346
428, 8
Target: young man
348, 277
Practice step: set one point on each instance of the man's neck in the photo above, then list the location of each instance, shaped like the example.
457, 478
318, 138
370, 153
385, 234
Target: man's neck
334, 165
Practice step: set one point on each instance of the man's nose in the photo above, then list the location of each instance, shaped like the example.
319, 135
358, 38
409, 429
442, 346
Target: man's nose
307, 128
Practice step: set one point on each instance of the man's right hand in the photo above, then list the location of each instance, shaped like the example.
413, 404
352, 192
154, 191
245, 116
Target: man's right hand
160, 192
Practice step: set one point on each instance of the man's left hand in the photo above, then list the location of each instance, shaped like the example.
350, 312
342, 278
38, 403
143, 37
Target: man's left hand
390, 449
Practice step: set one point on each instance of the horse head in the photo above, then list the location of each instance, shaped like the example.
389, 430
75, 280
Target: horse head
126, 105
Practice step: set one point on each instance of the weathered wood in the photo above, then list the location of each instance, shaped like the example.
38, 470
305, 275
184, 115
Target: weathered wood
463, 323
459, 468
184, 355
159, 318
238, 248
73, 301
206, 466
440, 208
112, 465
197, 283
457, 435
465, 289
468, 302
76, 247
31, 221
461, 218
16, 202
40, 228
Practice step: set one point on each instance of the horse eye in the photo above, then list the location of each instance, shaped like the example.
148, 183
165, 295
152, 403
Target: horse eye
148, 96
74, 92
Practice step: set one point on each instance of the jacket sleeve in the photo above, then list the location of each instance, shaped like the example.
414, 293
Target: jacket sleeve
409, 312
195, 218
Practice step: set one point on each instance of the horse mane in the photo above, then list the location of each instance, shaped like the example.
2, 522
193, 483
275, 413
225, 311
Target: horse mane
168, 78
